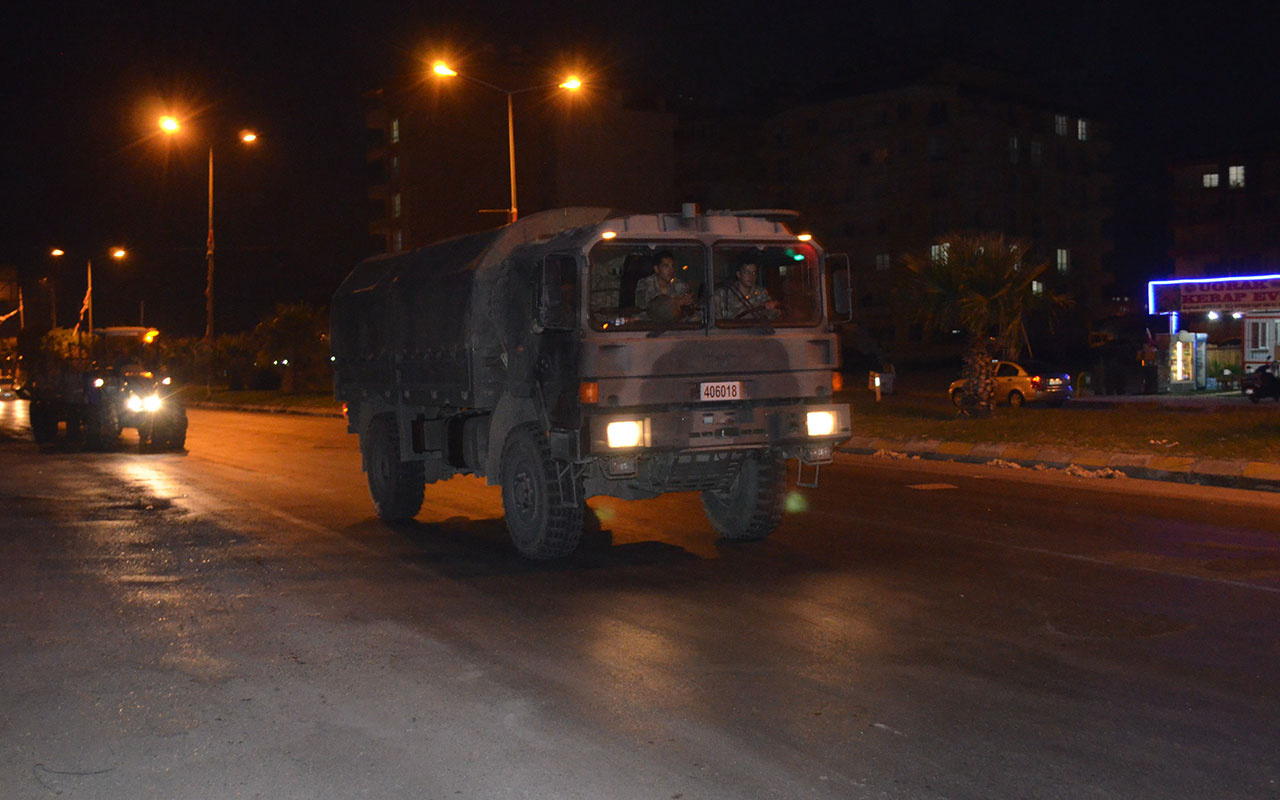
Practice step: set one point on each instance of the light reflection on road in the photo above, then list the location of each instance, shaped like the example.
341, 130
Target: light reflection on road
13, 416
155, 482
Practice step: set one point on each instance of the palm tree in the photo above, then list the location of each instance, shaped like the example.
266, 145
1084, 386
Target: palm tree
986, 286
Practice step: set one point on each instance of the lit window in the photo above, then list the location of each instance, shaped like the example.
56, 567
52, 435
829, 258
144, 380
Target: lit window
1060, 124
1211, 180
1013, 149
1235, 177
1037, 287
1082, 130
398, 240
395, 168
938, 252
882, 261
1064, 260
395, 130
1037, 153
1258, 335
395, 205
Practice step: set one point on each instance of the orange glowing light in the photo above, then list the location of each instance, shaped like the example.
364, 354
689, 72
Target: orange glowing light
441, 68
55, 252
572, 84
169, 124
589, 392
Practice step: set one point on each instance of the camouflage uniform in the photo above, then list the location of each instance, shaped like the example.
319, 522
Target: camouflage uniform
731, 302
648, 288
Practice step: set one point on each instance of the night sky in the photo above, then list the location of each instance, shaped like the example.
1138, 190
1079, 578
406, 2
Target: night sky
85, 170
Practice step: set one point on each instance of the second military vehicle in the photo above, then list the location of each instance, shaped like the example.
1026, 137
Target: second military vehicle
94, 385
582, 352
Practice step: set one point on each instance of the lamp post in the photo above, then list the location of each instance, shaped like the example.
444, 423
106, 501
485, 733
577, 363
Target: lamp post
572, 83
118, 253
170, 125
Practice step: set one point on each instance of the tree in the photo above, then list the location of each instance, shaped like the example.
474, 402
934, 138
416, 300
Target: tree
297, 337
985, 285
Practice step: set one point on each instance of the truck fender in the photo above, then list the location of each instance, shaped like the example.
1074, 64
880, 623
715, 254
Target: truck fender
510, 412
363, 417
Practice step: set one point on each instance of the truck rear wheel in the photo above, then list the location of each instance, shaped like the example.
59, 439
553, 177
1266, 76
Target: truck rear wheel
752, 506
541, 526
44, 422
396, 486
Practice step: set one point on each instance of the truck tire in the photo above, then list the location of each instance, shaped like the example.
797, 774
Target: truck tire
541, 526
101, 426
44, 423
396, 486
177, 439
752, 506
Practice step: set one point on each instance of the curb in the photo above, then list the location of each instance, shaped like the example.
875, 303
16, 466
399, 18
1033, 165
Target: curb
303, 412
1254, 475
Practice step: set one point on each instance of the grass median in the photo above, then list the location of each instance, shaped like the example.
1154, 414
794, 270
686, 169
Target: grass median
1239, 432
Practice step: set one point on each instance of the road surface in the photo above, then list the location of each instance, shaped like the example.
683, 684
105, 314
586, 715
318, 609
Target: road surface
235, 622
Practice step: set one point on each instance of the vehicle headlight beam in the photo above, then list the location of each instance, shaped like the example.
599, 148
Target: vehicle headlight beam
821, 423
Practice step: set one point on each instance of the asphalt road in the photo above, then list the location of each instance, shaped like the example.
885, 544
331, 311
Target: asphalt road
235, 622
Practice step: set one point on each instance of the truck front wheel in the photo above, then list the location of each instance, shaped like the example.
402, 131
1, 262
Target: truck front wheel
395, 486
752, 506
541, 525
101, 426
44, 421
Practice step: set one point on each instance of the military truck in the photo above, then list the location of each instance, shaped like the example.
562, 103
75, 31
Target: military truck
521, 355
94, 385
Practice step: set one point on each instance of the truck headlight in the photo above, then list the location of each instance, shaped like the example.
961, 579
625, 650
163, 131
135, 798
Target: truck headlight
821, 423
151, 403
625, 433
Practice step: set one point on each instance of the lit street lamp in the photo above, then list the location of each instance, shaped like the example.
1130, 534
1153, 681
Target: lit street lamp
170, 126
118, 253
572, 83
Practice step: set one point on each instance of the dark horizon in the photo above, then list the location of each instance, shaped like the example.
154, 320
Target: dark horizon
86, 172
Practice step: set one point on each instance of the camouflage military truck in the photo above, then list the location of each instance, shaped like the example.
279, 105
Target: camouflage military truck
94, 385
521, 355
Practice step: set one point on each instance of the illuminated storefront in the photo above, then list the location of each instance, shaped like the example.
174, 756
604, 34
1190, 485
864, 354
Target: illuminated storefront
1253, 300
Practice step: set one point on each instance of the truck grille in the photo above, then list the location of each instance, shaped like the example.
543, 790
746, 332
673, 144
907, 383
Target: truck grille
702, 470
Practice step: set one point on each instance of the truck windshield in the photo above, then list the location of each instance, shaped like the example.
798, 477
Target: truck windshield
770, 285
647, 285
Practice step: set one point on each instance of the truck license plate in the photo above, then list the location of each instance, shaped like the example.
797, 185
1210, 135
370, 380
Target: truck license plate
720, 390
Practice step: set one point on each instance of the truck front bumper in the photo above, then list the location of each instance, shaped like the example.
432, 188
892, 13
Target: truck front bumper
802, 430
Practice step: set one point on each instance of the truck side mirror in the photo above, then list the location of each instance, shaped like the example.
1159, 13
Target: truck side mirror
558, 298
841, 286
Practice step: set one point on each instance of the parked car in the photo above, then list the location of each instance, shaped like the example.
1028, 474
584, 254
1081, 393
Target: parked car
1028, 382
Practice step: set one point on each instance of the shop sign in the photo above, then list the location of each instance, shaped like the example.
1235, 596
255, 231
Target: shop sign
1251, 294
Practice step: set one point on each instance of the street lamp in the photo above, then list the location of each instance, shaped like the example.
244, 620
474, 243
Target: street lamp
572, 83
170, 126
118, 253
